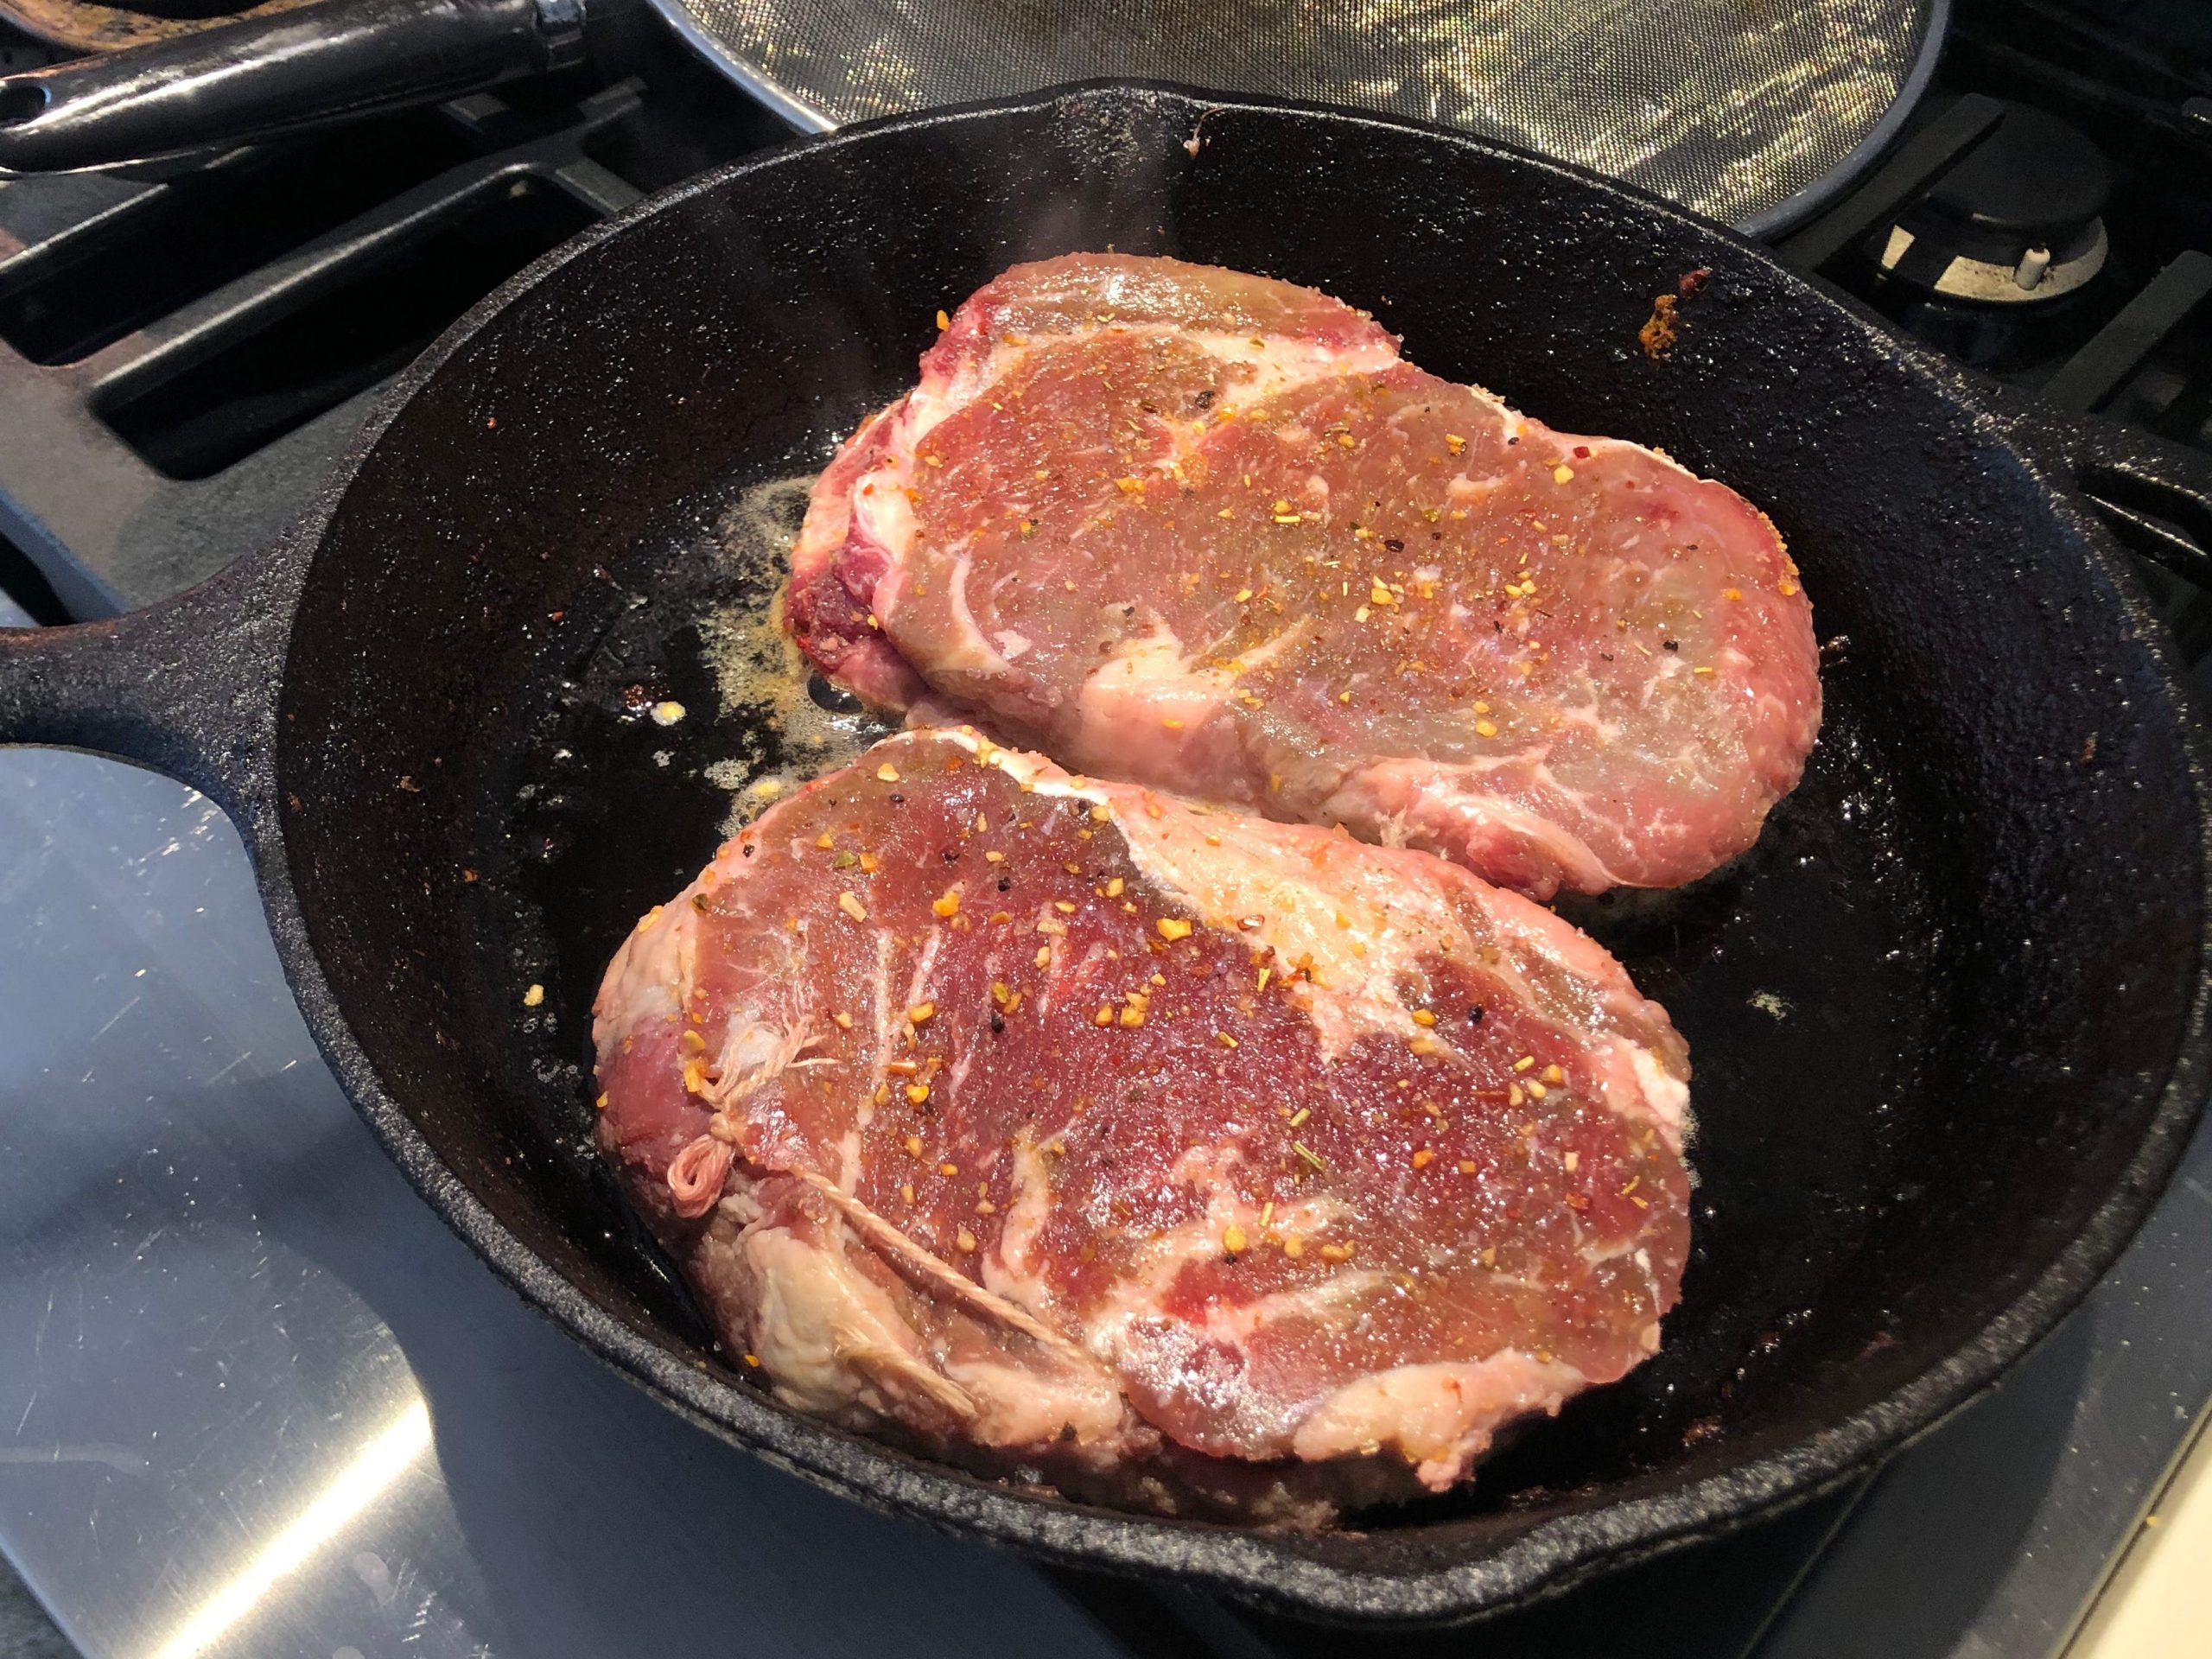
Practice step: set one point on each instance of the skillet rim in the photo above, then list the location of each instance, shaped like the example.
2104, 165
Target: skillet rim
1553, 1555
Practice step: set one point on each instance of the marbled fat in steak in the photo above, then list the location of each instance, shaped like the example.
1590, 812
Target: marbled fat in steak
1209, 532
1184, 1159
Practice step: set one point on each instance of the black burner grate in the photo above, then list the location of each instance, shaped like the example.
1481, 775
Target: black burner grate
201, 346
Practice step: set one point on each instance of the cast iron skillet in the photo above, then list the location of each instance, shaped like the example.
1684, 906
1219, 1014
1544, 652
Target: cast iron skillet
1948, 1018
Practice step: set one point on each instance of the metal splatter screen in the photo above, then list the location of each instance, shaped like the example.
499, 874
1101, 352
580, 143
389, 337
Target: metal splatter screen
1733, 107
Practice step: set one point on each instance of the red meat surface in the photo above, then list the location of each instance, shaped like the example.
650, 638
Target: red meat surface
1209, 532
1182, 1158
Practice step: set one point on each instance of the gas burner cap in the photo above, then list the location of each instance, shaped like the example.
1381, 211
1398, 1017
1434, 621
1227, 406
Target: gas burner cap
2040, 273
2018, 221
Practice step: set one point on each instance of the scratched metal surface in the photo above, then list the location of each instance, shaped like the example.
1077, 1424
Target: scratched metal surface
25, 1631
255, 1399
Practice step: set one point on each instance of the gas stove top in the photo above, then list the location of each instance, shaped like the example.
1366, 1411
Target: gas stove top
261, 1401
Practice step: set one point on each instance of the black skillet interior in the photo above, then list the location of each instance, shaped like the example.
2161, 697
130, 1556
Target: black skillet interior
1932, 1014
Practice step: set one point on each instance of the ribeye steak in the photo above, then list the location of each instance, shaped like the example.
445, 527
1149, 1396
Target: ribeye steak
1183, 1158
1205, 530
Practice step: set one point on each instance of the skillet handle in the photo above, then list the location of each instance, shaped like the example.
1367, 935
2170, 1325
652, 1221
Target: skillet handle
187, 687
319, 66
2153, 494
2156, 496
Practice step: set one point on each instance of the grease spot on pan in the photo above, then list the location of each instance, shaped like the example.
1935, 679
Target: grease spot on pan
758, 674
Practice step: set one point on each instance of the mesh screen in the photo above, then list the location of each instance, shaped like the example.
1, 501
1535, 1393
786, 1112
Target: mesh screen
1728, 106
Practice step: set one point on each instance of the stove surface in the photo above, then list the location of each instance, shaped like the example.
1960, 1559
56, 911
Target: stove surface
262, 1402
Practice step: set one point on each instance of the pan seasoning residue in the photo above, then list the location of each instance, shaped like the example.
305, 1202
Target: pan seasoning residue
758, 674
676, 710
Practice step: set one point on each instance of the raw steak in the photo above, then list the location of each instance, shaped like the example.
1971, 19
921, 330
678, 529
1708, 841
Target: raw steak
1209, 532
1185, 1158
